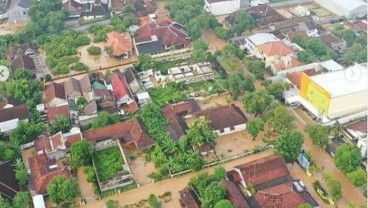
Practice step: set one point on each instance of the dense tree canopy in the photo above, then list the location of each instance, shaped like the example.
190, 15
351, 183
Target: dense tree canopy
257, 102
289, 144
81, 153
60, 123
214, 193
200, 52
200, 133
334, 186
224, 204
62, 190
358, 177
357, 53
21, 172
319, 135
26, 132
105, 119
347, 158
22, 200
279, 118
239, 83
255, 66
316, 47
277, 89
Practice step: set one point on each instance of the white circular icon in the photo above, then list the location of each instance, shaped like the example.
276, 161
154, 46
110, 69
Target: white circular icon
353, 74
4, 73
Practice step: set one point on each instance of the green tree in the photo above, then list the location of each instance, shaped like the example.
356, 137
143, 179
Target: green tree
279, 118
60, 123
243, 21
334, 186
257, 102
22, 200
94, 50
220, 173
358, 177
277, 89
145, 62
306, 57
200, 133
21, 173
347, 158
105, 119
26, 132
4, 203
238, 83
224, 204
153, 201
112, 204
319, 135
222, 33
289, 144
357, 53
81, 153
200, 51
62, 190
254, 66
214, 192
82, 101
254, 127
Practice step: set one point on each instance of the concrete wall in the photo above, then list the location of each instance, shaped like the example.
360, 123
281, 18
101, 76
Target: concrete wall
347, 104
227, 130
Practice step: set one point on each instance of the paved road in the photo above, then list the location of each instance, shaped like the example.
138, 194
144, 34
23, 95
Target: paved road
173, 185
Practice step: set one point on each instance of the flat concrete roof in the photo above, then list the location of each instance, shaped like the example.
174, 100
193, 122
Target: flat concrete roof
338, 84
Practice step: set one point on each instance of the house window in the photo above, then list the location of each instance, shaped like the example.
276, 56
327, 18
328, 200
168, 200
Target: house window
24, 12
232, 128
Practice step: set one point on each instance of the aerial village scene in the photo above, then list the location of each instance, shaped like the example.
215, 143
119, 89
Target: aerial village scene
183, 103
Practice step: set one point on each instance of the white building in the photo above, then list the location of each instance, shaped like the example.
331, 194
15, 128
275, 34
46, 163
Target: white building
348, 8
253, 41
222, 7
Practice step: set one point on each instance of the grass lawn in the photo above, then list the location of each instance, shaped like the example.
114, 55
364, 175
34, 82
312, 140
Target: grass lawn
108, 163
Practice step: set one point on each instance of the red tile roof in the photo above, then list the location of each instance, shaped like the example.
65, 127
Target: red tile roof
282, 196
71, 139
54, 90
223, 117
174, 112
121, 90
128, 131
57, 141
235, 196
53, 112
263, 170
329, 39
293, 34
296, 77
168, 34
275, 48
121, 43
42, 174
285, 64
359, 126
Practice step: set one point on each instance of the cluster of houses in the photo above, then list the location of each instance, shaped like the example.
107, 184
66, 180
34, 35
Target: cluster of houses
273, 186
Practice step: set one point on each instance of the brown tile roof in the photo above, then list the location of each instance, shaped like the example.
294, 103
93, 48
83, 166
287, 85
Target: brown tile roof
42, 174
121, 90
329, 39
293, 34
174, 112
57, 141
13, 51
189, 198
275, 48
20, 111
23, 62
85, 84
54, 90
73, 7
285, 64
43, 144
359, 126
265, 15
72, 86
356, 26
90, 108
289, 199
263, 170
235, 195
53, 112
8, 183
71, 139
121, 43
128, 131
101, 92
168, 34
223, 117
117, 5
296, 77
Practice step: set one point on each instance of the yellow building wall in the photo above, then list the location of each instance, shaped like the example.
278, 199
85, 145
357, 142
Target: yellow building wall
312, 92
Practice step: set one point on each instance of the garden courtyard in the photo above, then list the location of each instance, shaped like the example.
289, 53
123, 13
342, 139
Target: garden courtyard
108, 163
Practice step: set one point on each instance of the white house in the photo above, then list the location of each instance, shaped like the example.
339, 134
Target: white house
253, 41
222, 7
310, 28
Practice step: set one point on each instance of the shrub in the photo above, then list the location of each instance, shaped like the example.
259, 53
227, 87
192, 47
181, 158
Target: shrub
94, 50
79, 67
